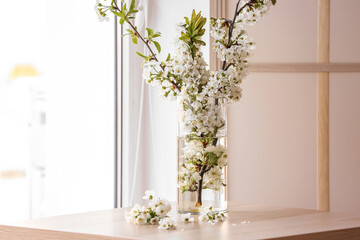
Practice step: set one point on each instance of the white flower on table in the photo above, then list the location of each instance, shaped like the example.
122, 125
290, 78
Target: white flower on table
140, 220
187, 218
167, 224
158, 209
154, 221
209, 216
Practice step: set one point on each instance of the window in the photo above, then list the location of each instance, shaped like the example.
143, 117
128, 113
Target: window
56, 110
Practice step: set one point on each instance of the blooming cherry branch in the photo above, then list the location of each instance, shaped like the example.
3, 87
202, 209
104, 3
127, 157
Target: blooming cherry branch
202, 93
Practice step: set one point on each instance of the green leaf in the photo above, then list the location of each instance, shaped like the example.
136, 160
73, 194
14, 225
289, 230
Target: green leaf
150, 32
121, 21
186, 20
117, 13
120, 14
157, 45
157, 34
168, 57
273, 2
193, 15
124, 10
141, 55
134, 39
132, 6
201, 42
128, 30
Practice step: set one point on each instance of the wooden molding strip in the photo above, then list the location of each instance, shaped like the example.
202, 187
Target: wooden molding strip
217, 10
304, 67
323, 186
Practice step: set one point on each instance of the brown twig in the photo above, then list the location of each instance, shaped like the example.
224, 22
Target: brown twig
231, 28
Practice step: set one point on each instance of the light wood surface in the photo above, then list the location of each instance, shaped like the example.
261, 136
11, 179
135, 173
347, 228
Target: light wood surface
323, 199
323, 107
304, 67
245, 221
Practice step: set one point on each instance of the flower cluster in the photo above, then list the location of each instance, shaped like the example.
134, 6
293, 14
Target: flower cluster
234, 50
183, 75
209, 216
187, 218
202, 163
156, 211
254, 12
201, 119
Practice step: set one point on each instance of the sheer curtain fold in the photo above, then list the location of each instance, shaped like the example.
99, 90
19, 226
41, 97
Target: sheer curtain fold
149, 145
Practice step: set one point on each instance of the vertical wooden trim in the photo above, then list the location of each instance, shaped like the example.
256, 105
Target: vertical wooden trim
217, 10
323, 199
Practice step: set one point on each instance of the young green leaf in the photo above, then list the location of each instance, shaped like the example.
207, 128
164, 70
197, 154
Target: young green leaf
132, 6
124, 10
157, 34
186, 20
141, 55
157, 45
150, 32
134, 39
168, 57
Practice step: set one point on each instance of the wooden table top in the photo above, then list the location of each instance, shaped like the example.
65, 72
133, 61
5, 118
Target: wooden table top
245, 221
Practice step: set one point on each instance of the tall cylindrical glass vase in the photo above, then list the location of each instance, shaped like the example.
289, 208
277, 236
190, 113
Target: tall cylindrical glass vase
202, 155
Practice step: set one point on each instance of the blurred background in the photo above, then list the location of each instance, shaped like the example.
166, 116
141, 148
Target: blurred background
56, 109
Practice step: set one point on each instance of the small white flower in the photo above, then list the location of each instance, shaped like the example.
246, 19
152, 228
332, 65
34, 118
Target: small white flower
187, 218
154, 221
140, 220
167, 224
202, 218
149, 195
99, 14
196, 176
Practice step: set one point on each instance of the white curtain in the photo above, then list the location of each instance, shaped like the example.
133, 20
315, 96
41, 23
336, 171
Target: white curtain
149, 120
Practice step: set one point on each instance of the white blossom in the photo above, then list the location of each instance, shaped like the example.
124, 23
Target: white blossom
156, 211
149, 195
210, 216
101, 16
167, 224
187, 218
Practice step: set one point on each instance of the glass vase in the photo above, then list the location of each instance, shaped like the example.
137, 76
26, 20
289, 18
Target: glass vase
202, 156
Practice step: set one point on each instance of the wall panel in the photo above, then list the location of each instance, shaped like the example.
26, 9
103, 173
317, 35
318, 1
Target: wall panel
345, 142
272, 141
345, 31
287, 33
